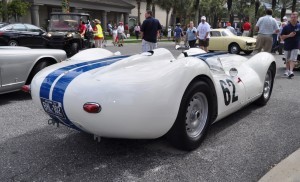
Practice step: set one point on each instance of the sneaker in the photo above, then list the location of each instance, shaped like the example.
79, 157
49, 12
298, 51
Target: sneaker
291, 74
286, 73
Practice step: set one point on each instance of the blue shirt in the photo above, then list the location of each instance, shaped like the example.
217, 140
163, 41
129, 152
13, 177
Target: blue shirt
291, 43
149, 28
178, 32
191, 34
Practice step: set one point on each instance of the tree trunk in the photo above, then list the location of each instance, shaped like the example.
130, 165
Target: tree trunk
274, 4
197, 3
167, 21
294, 5
153, 9
5, 13
139, 11
148, 5
282, 13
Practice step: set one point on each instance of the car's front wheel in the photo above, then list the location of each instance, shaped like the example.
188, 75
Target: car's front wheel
267, 87
193, 118
13, 43
73, 49
234, 48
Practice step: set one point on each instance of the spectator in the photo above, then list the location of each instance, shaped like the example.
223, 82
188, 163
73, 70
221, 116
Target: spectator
115, 35
149, 30
265, 26
169, 32
82, 28
137, 30
126, 29
98, 34
203, 33
290, 34
121, 34
191, 34
246, 28
229, 27
178, 33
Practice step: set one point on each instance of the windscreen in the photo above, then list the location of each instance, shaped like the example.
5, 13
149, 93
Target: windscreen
64, 23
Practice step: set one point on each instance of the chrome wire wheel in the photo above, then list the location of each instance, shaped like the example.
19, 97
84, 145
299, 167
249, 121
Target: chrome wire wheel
196, 115
267, 85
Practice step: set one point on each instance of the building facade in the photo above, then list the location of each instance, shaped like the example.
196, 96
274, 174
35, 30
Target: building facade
111, 11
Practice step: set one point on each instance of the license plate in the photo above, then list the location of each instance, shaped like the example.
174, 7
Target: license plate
53, 107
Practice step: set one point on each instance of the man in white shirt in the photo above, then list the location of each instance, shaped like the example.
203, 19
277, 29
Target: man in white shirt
121, 34
203, 33
266, 27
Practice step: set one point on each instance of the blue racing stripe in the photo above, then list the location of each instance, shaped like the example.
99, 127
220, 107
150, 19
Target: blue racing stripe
48, 81
64, 81
208, 55
62, 84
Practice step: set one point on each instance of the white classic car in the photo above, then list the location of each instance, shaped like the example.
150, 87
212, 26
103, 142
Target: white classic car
18, 65
151, 94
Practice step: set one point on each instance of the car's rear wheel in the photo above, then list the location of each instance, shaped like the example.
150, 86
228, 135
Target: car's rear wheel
234, 48
193, 118
13, 43
267, 87
248, 52
38, 67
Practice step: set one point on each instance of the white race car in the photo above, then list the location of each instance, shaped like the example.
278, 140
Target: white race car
151, 94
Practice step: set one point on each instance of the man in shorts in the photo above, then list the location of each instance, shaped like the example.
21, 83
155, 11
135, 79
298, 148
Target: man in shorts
291, 34
149, 30
203, 33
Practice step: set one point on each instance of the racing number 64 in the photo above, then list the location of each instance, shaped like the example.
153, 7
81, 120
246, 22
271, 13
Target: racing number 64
227, 95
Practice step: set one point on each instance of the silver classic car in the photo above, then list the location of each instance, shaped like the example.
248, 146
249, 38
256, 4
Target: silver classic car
18, 65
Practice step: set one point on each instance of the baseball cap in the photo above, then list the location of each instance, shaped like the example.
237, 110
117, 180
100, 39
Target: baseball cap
203, 18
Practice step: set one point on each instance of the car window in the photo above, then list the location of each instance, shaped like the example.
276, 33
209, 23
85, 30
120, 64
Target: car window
19, 27
227, 32
215, 34
8, 27
32, 28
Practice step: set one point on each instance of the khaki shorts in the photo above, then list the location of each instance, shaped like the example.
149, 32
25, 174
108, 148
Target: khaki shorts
291, 55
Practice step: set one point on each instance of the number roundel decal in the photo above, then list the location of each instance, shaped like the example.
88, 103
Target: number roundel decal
226, 92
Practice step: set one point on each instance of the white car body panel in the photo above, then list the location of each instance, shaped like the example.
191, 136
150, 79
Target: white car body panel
140, 95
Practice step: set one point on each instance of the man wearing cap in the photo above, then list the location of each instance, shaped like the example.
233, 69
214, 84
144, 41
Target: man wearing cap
149, 30
229, 27
266, 27
203, 33
98, 34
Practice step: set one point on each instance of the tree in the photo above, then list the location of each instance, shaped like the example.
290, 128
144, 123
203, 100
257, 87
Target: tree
166, 5
138, 2
3, 10
65, 4
148, 5
17, 8
294, 5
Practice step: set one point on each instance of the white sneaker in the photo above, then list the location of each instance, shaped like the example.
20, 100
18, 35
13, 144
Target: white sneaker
291, 74
286, 73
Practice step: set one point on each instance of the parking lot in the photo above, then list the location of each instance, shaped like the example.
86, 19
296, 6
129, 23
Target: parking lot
241, 147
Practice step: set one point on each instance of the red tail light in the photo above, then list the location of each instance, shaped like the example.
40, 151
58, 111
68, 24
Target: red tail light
92, 107
26, 88
1, 33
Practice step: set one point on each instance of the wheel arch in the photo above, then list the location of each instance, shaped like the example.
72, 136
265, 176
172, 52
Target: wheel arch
49, 60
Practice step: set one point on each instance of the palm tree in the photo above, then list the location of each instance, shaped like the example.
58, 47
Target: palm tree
138, 2
274, 2
294, 5
166, 5
4, 10
148, 5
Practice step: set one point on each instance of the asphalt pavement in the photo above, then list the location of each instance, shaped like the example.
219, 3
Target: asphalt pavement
245, 146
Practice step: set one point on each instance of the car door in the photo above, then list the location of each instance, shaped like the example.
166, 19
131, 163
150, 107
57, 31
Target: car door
20, 34
36, 39
215, 41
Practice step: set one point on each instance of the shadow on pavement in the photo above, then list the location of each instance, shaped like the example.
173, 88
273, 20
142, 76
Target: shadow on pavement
14, 96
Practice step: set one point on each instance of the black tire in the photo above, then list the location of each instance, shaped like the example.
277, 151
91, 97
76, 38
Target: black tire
234, 48
181, 135
13, 43
267, 88
38, 67
73, 49
248, 52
